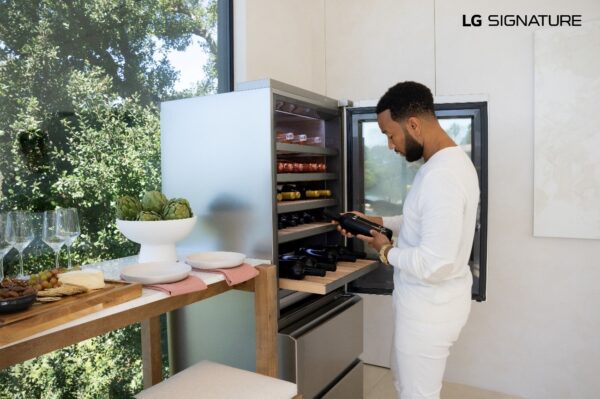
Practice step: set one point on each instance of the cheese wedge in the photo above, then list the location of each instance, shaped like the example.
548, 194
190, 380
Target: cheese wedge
90, 279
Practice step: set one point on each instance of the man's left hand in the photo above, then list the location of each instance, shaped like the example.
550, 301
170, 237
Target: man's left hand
377, 240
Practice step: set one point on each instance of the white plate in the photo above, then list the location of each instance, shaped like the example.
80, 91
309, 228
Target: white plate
215, 260
156, 272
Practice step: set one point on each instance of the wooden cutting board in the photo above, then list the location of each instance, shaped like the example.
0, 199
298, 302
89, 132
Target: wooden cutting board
42, 316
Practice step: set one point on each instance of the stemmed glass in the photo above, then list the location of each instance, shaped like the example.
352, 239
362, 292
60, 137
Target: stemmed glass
20, 234
69, 228
51, 233
5, 246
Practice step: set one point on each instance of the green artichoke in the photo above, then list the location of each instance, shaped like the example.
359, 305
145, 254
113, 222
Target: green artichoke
154, 201
148, 216
177, 208
128, 208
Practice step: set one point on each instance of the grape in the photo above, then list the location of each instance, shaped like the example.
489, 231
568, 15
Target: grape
45, 279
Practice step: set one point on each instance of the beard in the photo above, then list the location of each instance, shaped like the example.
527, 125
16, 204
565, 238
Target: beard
414, 150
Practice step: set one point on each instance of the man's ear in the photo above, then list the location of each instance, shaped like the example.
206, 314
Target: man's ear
414, 125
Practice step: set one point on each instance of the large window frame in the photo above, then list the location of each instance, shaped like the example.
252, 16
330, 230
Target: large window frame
225, 46
36, 137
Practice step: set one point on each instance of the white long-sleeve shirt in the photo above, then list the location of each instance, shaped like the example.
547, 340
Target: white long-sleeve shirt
435, 233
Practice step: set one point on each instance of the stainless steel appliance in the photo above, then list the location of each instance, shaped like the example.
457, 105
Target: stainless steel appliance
222, 152
320, 345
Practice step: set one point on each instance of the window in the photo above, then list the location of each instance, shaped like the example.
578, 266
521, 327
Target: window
379, 180
80, 89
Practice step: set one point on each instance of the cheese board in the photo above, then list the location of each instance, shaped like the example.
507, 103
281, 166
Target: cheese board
41, 316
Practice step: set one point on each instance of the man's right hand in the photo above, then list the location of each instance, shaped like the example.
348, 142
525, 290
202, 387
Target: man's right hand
374, 219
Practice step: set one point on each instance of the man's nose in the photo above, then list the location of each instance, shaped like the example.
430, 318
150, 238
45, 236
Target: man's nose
391, 145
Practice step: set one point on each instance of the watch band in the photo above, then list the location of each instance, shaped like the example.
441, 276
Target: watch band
382, 256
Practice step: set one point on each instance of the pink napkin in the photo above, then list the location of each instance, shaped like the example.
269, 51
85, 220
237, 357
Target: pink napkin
185, 286
235, 275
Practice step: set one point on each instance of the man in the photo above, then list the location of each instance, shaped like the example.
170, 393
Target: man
432, 279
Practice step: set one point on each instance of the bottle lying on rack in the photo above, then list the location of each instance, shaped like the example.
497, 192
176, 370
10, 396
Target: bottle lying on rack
341, 253
354, 224
328, 259
297, 267
293, 191
294, 219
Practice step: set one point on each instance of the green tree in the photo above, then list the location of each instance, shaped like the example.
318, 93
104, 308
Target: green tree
80, 82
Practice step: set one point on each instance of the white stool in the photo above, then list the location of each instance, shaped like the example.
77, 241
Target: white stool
209, 380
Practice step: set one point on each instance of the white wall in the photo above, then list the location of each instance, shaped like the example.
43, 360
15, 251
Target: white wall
282, 40
538, 334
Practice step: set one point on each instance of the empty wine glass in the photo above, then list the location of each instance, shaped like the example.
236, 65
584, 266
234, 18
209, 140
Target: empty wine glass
69, 228
5, 246
51, 233
21, 234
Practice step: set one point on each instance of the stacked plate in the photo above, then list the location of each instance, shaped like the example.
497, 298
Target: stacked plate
170, 272
156, 272
215, 260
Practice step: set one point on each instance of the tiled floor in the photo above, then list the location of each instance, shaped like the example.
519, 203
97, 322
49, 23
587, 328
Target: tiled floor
378, 384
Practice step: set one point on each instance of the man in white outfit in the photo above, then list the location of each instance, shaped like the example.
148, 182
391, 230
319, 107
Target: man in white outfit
432, 279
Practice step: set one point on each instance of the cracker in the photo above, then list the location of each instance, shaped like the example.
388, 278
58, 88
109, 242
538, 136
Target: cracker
49, 299
63, 290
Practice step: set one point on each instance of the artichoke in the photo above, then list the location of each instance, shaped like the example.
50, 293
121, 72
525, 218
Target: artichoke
177, 208
148, 216
154, 201
128, 208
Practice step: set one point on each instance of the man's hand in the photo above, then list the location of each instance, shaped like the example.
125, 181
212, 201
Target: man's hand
377, 240
343, 231
374, 219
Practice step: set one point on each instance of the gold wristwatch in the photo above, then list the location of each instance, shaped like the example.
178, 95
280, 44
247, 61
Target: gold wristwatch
382, 257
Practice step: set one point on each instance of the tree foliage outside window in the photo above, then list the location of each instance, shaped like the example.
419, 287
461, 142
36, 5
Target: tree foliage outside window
80, 85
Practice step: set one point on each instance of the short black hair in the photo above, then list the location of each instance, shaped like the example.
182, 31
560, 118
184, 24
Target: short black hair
406, 99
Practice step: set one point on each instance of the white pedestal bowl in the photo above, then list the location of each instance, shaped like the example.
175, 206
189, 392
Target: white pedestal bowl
157, 238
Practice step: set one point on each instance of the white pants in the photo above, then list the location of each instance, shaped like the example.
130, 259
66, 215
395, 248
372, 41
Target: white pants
421, 346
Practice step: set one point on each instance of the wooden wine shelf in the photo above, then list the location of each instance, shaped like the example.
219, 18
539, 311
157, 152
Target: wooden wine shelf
345, 273
285, 148
304, 205
294, 177
304, 230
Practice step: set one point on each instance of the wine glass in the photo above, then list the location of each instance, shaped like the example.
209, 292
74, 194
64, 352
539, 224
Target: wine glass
69, 228
5, 246
51, 233
20, 234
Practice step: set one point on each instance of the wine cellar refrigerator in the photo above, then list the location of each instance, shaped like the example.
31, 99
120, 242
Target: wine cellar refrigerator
259, 165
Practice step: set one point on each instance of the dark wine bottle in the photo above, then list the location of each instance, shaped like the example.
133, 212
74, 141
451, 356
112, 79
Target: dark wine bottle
343, 254
292, 269
354, 224
296, 267
325, 259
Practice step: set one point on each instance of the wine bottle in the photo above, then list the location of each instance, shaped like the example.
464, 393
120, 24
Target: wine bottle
292, 269
325, 259
354, 224
343, 254
296, 267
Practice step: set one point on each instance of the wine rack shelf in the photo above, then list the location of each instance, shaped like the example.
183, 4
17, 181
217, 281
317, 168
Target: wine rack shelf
304, 230
285, 149
304, 205
345, 273
296, 177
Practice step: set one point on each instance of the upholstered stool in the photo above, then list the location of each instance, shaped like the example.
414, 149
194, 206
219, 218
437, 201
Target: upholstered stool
209, 380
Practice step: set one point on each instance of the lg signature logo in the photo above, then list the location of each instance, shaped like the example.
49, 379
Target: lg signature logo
477, 20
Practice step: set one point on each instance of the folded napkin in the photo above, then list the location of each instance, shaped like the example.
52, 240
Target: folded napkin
235, 275
185, 286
